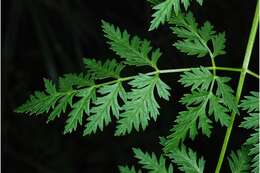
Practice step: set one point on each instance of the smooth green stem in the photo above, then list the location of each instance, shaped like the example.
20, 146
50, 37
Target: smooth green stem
240, 84
179, 71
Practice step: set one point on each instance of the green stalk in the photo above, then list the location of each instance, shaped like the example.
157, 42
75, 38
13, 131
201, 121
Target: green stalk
240, 84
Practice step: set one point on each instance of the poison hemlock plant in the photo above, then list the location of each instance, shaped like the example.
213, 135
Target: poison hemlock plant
102, 94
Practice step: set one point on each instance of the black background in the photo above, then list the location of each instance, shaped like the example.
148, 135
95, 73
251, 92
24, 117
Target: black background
47, 38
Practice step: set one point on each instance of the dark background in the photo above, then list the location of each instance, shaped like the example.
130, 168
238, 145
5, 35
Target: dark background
47, 38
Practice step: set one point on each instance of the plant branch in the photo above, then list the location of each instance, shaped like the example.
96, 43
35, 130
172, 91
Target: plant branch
240, 84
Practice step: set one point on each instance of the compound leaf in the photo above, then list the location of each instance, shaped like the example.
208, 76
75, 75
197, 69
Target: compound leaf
198, 78
103, 106
126, 169
239, 161
110, 68
141, 105
133, 50
163, 11
151, 163
186, 159
251, 104
79, 108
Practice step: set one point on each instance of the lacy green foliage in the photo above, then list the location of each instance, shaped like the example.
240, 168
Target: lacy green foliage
251, 105
103, 101
126, 169
239, 161
202, 82
110, 68
133, 50
187, 160
194, 40
163, 10
151, 163
141, 105
104, 105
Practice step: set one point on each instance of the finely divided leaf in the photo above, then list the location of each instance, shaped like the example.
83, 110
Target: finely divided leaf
191, 47
110, 68
239, 161
133, 50
79, 108
126, 169
101, 115
251, 104
69, 81
141, 105
194, 40
226, 92
151, 163
218, 42
163, 11
219, 111
187, 160
41, 102
198, 78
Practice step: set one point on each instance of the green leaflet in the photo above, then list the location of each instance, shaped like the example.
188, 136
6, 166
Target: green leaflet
41, 102
251, 104
227, 94
141, 105
126, 169
133, 50
239, 161
196, 117
151, 163
187, 160
61, 107
70, 81
219, 111
163, 10
110, 68
197, 78
103, 105
194, 40
79, 108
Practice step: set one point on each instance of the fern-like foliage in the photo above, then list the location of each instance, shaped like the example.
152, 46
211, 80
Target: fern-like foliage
104, 105
251, 105
133, 50
103, 101
239, 161
126, 169
186, 159
151, 163
163, 10
220, 102
141, 105
101, 70
194, 40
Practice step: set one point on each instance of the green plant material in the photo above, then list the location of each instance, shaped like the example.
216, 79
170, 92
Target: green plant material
141, 105
186, 159
194, 40
70, 81
239, 161
163, 10
133, 50
227, 93
126, 169
197, 78
41, 102
151, 163
251, 104
110, 68
196, 117
79, 108
104, 105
